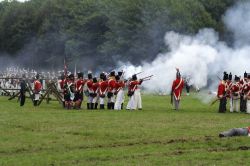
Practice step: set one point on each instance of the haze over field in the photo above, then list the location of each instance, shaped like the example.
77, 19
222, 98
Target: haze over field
201, 56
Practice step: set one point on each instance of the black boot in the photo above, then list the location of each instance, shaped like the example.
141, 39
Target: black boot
109, 106
122, 106
112, 105
101, 106
35, 102
88, 106
92, 106
96, 105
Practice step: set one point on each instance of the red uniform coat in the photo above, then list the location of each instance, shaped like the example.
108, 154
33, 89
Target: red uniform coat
119, 85
221, 89
61, 83
133, 85
103, 86
235, 89
111, 85
79, 85
89, 86
247, 91
95, 87
37, 86
244, 88
177, 87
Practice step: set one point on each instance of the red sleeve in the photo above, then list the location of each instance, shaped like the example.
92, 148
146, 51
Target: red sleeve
221, 89
113, 84
122, 84
89, 84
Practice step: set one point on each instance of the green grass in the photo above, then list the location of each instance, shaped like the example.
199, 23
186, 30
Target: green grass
157, 135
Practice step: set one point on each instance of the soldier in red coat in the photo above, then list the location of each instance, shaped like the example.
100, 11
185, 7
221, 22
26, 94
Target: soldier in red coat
111, 90
243, 101
95, 87
134, 94
247, 94
221, 94
177, 87
61, 83
119, 92
89, 92
235, 95
103, 87
79, 91
37, 90
229, 84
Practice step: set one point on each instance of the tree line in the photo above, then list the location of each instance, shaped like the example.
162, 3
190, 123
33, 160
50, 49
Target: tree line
100, 32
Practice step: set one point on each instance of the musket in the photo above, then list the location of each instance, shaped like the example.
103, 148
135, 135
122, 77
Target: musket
215, 100
148, 77
139, 73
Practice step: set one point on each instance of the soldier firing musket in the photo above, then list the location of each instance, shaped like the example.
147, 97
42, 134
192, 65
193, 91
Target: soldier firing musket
134, 94
119, 91
222, 96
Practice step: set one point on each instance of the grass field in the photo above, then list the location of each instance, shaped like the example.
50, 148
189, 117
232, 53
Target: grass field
157, 135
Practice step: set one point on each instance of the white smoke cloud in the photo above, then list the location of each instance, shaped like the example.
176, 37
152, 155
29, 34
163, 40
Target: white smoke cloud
201, 56
237, 20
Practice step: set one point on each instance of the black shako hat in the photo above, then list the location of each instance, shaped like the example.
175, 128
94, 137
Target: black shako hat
225, 76
101, 75
112, 73
245, 74
236, 78
90, 76
134, 77
80, 74
230, 76
120, 73
95, 80
117, 77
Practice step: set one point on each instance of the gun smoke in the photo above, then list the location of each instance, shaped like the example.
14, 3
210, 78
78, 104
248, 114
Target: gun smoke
202, 57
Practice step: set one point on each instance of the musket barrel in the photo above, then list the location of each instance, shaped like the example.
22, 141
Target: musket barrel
147, 77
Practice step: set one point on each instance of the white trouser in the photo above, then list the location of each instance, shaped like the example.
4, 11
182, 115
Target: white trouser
37, 96
248, 106
129, 105
95, 99
112, 99
119, 99
102, 100
135, 100
90, 99
234, 104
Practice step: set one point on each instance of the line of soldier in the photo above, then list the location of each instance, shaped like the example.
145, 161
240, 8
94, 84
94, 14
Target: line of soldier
107, 88
237, 91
